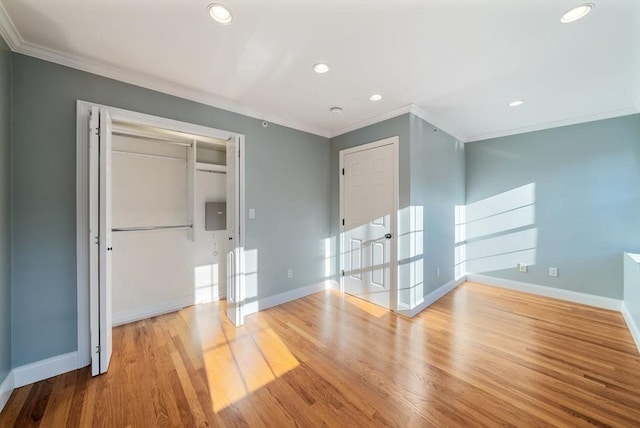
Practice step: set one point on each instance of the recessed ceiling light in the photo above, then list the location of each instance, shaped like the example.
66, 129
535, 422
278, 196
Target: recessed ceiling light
516, 103
375, 97
320, 68
336, 110
577, 13
220, 13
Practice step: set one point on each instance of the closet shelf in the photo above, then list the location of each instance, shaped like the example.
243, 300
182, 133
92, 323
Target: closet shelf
138, 228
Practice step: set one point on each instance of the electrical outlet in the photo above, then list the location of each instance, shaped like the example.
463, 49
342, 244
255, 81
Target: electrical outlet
290, 273
553, 271
523, 268
252, 213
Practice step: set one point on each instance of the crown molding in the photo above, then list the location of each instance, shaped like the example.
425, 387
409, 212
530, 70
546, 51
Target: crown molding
8, 31
17, 44
427, 117
555, 124
155, 84
371, 121
410, 108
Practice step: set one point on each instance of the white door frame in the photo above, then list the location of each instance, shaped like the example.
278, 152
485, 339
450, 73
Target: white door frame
395, 142
83, 109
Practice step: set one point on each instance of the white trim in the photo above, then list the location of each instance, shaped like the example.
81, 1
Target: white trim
82, 199
555, 124
287, 296
44, 369
555, 293
242, 227
211, 167
434, 296
15, 42
148, 311
395, 142
417, 111
8, 31
332, 284
371, 121
149, 82
82, 232
6, 389
411, 108
634, 325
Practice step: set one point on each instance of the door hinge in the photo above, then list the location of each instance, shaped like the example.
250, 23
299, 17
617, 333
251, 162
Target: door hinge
98, 349
342, 272
97, 240
342, 171
343, 222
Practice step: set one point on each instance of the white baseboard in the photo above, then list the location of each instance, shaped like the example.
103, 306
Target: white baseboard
44, 369
633, 324
287, 296
556, 293
434, 296
6, 388
148, 311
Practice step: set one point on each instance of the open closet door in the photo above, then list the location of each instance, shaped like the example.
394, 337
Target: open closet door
235, 294
100, 233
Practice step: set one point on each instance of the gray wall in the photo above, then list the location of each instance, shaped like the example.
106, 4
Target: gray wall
431, 168
437, 186
587, 199
397, 126
286, 182
5, 210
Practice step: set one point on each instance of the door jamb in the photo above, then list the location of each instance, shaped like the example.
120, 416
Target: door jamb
83, 109
395, 142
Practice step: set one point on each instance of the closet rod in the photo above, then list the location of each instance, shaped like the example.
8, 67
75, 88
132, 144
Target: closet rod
137, 228
145, 155
212, 172
157, 140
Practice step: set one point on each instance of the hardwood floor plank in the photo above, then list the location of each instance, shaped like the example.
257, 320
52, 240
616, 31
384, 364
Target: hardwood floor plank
480, 356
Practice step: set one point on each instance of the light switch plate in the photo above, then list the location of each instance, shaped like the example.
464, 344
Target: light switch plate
252, 213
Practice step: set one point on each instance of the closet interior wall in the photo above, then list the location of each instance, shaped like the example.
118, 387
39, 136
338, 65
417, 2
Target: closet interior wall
175, 262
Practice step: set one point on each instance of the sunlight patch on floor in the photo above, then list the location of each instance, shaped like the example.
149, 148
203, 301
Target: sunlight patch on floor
239, 362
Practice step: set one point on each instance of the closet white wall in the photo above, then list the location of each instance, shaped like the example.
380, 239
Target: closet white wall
210, 252
159, 271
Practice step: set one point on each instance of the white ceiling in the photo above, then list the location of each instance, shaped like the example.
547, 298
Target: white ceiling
457, 63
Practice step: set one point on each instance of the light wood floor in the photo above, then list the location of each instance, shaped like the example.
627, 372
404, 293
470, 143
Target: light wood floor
480, 356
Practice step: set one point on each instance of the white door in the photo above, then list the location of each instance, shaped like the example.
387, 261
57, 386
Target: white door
368, 210
235, 284
100, 233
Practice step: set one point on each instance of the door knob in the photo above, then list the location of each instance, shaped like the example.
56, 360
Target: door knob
109, 248
388, 236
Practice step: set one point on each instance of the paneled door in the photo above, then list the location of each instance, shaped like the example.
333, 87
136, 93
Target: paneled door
368, 222
101, 242
235, 283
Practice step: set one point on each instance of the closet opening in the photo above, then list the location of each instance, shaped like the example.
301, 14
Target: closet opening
159, 222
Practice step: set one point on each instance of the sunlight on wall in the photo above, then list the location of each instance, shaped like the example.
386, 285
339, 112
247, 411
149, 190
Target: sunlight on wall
250, 275
206, 283
496, 233
502, 252
329, 258
410, 256
459, 250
